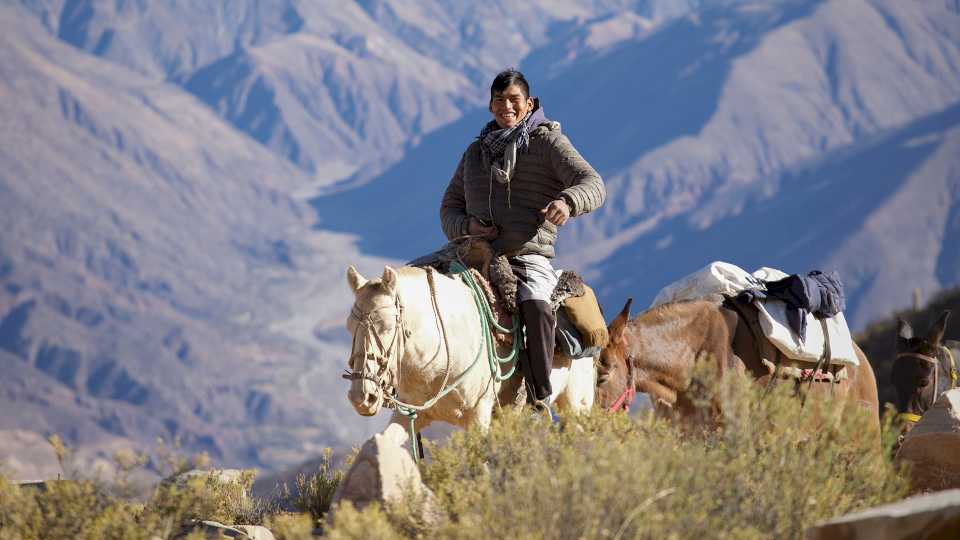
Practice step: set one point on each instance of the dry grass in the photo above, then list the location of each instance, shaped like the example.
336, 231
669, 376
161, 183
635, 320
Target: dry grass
771, 470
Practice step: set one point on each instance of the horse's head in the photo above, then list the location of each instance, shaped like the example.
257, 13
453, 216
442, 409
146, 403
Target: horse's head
376, 324
917, 373
615, 371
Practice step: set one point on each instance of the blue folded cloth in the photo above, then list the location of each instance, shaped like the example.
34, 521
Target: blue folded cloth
817, 293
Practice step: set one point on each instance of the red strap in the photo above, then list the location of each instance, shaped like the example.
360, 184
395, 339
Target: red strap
624, 401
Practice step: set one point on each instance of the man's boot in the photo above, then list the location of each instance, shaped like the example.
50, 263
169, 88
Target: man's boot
540, 323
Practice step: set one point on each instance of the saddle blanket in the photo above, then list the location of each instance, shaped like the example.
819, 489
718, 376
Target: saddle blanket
719, 279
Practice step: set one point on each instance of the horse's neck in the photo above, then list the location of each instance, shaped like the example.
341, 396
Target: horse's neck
655, 336
439, 319
670, 337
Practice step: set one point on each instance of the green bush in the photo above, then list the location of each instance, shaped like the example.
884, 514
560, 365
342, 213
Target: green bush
768, 471
315, 491
85, 509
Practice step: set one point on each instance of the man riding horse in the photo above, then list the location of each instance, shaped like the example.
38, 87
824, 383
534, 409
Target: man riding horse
516, 184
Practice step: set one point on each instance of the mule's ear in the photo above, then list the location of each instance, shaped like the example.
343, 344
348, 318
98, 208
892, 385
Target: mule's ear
620, 321
935, 334
355, 280
904, 330
389, 280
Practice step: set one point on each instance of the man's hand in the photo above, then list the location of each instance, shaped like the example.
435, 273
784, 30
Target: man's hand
557, 212
475, 227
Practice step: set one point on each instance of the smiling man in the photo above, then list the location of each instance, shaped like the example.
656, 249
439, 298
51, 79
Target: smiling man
515, 186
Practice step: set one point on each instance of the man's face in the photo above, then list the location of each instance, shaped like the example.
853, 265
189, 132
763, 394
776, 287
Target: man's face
510, 106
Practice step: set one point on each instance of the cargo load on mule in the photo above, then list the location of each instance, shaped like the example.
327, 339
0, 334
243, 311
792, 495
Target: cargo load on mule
796, 321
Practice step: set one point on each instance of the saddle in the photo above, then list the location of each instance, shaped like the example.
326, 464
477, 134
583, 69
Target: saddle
581, 328
771, 357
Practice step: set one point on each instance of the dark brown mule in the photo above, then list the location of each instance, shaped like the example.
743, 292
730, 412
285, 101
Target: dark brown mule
664, 343
924, 368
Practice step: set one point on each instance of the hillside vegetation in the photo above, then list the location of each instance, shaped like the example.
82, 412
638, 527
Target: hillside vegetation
767, 472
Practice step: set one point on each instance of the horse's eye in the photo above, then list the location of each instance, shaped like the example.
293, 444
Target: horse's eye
923, 382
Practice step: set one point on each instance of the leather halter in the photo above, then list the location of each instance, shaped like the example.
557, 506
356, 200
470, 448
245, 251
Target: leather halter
912, 417
383, 378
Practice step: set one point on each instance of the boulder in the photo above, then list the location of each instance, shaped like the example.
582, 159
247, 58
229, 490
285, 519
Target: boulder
384, 472
935, 515
256, 532
213, 529
932, 447
943, 417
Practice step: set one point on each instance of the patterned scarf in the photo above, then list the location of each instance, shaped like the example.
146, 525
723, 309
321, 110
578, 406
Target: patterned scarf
494, 139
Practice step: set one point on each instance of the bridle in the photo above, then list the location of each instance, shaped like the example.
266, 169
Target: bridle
384, 357
629, 393
913, 417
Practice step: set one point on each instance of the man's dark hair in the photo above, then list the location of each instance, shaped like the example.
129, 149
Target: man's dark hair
507, 77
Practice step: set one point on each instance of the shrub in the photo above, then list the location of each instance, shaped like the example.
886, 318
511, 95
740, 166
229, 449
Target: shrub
315, 492
769, 470
86, 509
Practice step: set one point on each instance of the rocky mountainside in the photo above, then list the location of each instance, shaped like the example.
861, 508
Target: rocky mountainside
335, 87
149, 260
799, 135
184, 183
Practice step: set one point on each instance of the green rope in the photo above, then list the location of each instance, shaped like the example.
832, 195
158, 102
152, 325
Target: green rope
487, 320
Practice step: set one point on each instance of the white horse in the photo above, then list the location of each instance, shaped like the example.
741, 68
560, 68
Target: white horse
417, 336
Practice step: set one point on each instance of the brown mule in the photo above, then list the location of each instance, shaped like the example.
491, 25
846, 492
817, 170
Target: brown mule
664, 343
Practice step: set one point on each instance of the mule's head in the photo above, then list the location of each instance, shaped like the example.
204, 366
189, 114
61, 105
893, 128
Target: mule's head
375, 324
615, 372
915, 369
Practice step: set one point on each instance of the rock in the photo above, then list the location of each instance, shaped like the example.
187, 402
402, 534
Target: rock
212, 529
384, 472
935, 515
943, 417
256, 532
932, 447
934, 459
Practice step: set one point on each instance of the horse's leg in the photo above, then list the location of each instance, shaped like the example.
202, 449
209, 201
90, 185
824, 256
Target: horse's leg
482, 414
559, 380
658, 393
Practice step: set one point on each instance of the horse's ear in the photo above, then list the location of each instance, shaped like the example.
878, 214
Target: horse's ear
935, 334
620, 321
389, 280
355, 280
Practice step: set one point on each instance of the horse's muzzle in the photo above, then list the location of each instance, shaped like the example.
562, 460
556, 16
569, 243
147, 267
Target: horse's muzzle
366, 404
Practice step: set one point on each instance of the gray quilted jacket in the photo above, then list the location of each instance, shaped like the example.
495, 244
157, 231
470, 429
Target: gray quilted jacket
550, 169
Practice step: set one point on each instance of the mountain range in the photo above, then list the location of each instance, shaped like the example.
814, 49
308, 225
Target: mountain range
184, 183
